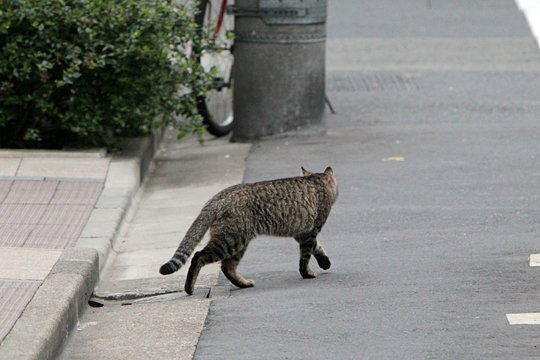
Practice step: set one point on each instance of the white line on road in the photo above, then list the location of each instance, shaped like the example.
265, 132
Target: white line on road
524, 319
531, 9
534, 260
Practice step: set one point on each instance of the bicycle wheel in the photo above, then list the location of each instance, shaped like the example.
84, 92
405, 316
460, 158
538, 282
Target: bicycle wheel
217, 106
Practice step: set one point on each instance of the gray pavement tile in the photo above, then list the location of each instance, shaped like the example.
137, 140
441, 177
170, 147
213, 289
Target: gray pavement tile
14, 296
123, 174
66, 214
103, 222
21, 213
5, 185
31, 192
90, 168
76, 193
103, 331
8, 167
73, 179
57, 154
29, 178
12, 235
17, 263
114, 199
53, 236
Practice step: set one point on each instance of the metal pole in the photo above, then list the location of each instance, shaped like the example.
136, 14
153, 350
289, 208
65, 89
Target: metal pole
279, 68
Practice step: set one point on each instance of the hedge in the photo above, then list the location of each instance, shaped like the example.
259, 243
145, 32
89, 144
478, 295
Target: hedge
84, 72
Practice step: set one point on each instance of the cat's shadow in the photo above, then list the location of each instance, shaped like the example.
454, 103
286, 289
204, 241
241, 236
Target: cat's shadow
282, 281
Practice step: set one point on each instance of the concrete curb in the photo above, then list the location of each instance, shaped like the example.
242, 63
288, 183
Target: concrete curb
62, 296
66, 290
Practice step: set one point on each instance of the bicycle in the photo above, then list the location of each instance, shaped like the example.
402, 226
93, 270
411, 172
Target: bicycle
216, 107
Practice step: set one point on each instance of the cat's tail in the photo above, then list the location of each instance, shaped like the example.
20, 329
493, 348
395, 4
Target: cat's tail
193, 236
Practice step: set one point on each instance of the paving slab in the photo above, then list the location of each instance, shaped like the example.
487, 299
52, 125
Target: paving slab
31, 192
5, 186
8, 166
68, 193
105, 331
14, 296
44, 213
103, 222
53, 236
26, 263
90, 168
67, 153
13, 235
24, 214
66, 214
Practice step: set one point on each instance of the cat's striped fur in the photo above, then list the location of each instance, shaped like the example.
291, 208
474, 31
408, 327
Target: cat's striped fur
296, 207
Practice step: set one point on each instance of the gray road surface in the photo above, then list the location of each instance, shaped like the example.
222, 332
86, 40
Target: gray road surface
436, 150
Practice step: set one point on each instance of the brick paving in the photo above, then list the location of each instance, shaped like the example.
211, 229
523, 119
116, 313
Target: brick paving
38, 218
37, 213
14, 295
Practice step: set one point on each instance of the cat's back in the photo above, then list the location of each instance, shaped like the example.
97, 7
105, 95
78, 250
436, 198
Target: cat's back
279, 207
291, 189
288, 191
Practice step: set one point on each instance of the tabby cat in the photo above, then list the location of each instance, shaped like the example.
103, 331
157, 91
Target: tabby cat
296, 207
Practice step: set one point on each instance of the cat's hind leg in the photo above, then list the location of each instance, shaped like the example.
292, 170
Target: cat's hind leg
216, 250
229, 266
193, 272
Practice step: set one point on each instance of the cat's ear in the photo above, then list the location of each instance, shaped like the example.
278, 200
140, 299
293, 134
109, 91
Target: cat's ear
329, 171
305, 172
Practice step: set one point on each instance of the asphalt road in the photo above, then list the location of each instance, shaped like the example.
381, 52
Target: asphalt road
436, 149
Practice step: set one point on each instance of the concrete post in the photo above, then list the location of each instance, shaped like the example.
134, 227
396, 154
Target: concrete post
279, 67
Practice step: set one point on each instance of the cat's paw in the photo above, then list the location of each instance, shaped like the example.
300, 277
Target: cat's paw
247, 283
189, 289
308, 274
324, 262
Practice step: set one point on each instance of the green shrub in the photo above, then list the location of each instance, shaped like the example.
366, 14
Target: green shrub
92, 70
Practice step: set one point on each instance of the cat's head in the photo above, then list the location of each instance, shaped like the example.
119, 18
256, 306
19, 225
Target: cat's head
327, 177
327, 172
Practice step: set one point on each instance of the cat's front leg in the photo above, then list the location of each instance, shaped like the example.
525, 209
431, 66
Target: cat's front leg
307, 246
321, 257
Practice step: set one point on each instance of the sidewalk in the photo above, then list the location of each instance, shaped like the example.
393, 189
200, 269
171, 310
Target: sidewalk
56, 209
84, 226
184, 176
